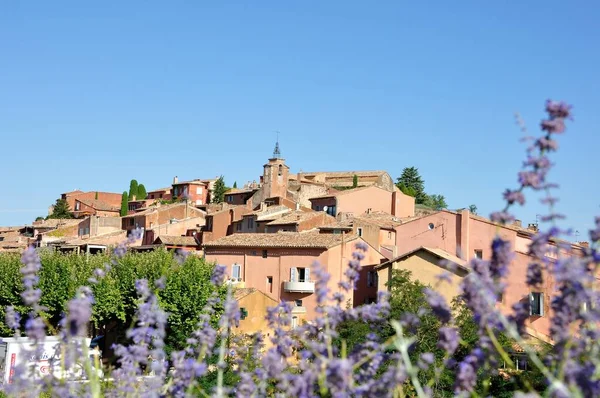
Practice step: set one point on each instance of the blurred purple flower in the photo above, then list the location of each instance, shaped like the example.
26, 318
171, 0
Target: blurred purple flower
438, 305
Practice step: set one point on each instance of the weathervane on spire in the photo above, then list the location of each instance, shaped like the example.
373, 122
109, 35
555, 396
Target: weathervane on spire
277, 152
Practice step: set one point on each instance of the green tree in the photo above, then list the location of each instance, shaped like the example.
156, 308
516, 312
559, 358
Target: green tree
219, 189
124, 204
411, 179
133, 189
354, 181
235, 184
473, 209
437, 202
141, 192
410, 191
61, 210
96, 196
39, 218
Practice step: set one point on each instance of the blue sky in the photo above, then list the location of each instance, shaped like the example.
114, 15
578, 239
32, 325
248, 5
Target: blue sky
92, 96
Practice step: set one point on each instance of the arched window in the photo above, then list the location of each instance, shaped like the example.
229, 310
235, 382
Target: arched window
280, 170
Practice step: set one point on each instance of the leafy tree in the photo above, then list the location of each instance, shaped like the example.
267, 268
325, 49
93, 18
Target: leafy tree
411, 179
410, 191
473, 209
61, 210
219, 189
235, 184
437, 202
141, 192
124, 204
133, 189
354, 181
39, 218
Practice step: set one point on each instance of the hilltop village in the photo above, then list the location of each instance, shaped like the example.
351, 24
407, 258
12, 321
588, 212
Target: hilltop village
270, 232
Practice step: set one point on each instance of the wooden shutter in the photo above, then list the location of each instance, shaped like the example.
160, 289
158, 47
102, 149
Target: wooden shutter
293, 274
307, 275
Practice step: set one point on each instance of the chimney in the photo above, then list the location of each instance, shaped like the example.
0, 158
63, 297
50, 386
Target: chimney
532, 227
175, 180
517, 223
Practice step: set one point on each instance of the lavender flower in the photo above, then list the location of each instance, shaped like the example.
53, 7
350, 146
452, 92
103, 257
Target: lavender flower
448, 339
438, 305
219, 275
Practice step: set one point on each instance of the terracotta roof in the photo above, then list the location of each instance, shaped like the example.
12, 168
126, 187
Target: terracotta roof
55, 223
162, 208
281, 239
97, 240
296, 217
97, 204
242, 292
441, 254
160, 190
382, 219
176, 240
10, 229
192, 182
337, 225
234, 191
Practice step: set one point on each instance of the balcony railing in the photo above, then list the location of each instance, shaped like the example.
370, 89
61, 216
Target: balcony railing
299, 287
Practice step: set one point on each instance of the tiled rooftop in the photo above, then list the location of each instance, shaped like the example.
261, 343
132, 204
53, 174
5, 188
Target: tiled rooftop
381, 219
296, 217
364, 173
335, 193
55, 223
281, 240
176, 240
98, 205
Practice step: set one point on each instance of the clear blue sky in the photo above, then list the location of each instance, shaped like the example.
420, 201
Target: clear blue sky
94, 95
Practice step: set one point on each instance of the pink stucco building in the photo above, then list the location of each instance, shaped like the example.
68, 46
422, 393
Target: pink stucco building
280, 264
466, 236
357, 201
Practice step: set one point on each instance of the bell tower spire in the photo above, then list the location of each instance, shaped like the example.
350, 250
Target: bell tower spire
276, 151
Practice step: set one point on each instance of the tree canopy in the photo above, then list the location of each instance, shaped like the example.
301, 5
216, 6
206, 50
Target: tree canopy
141, 192
124, 204
411, 183
218, 192
61, 210
133, 189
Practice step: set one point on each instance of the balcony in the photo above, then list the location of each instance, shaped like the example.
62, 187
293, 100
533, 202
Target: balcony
299, 287
299, 310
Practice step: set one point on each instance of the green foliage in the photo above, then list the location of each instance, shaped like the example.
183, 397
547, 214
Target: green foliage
411, 179
410, 191
354, 181
124, 204
61, 210
473, 209
235, 184
39, 218
219, 189
187, 288
141, 192
436, 202
133, 189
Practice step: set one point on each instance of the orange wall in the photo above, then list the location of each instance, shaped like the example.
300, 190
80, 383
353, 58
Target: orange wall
360, 201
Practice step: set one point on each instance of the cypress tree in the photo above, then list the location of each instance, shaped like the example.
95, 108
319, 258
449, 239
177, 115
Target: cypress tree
141, 192
124, 204
133, 189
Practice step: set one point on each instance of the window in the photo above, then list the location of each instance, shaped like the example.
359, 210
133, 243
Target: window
264, 254
298, 303
359, 231
199, 190
80, 231
520, 362
238, 226
536, 304
280, 171
294, 322
160, 196
370, 300
229, 198
236, 272
372, 278
250, 222
299, 274
389, 234
479, 254
209, 223
243, 313
270, 284
77, 206
131, 221
318, 208
331, 210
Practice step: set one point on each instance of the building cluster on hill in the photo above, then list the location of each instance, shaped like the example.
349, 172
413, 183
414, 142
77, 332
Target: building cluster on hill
270, 233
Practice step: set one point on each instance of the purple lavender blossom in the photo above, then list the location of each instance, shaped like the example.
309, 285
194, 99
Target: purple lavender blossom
219, 275
514, 197
448, 339
438, 305
12, 318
